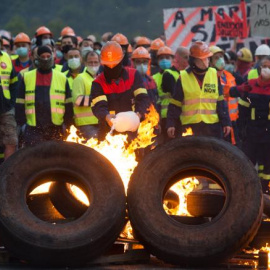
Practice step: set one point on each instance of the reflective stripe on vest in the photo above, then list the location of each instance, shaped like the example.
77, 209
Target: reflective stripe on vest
232, 102
253, 74
5, 71
200, 104
57, 97
84, 115
163, 98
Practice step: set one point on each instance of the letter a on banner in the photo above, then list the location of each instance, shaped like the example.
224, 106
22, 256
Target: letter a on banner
232, 26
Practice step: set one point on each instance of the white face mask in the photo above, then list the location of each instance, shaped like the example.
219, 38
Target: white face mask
93, 70
265, 72
46, 41
85, 50
74, 63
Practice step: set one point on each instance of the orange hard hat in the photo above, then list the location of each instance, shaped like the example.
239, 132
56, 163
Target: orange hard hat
140, 52
79, 39
157, 44
142, 41
129, 49
120, 39
111, 54
200, 49
43, 31
165, 50
67, 31
22, 38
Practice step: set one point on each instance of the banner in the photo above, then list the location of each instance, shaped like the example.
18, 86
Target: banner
260, 18
185, 25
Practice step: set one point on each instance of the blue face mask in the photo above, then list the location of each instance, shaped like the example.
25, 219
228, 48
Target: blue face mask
229, 67
59, 54
98, 51
165, 64
220, 63
22, 51
142, 68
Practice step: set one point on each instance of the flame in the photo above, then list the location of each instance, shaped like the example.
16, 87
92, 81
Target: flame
256, 251
188, 132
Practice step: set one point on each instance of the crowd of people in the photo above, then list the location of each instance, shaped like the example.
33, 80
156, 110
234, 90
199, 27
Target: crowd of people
47, 85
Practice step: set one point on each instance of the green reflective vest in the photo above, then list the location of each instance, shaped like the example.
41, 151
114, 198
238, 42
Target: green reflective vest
163, 98
57, 97
174, 73
200, 104
5, 71
82, 87
253, 74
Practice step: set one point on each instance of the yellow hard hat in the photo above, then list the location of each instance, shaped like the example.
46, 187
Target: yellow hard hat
245, 55
215, 49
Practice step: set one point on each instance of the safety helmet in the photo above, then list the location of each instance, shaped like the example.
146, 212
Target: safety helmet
156, 44
5, 41
111, 54
143, 41
140, 52
165, 50
120, 39
67, 31
43, 31
244, 54
215, 49
129, 49
200, 49
263, 49
22, 38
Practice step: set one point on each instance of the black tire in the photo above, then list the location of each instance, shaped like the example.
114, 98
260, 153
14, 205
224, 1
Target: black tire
172, 199
262, 237
65, 202
73, 243
205, 203
266, 204
205, 244
41, 206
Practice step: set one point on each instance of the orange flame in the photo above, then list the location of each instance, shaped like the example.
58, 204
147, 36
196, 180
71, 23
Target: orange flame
188, 132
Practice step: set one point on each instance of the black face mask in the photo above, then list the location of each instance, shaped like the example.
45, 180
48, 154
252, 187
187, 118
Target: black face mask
66, 48
44, 64
154, 60
113, 73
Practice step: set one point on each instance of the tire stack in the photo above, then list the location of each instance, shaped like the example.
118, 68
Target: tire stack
92, 230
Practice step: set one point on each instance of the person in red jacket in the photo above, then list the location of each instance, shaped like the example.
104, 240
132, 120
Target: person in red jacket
254, 111
116, 89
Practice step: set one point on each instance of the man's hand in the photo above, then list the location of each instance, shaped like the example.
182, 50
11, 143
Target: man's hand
109, 118
171, 132
226, 131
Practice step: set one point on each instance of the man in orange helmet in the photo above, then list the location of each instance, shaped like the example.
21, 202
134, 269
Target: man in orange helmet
123, 41
67, 31
198, 98
144, 42
43, 36
116, 89
156, 44
22, 45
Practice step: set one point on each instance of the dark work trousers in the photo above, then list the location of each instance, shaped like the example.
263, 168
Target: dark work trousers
258, 153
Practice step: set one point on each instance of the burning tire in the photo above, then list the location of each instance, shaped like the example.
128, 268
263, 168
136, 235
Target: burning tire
266, 202
60, 244
65, 202
204, 244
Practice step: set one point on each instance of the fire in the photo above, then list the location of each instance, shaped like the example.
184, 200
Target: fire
116, 149
188, 132
256, 251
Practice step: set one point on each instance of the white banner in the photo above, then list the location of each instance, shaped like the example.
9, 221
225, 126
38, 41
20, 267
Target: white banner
185, 25
260, 18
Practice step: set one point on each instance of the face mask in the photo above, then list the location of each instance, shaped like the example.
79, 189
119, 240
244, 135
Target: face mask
220, 63
113, 73
165, 64
265, 72
74, 63
142, 68
229, 67
45, 41
22, 51
85, 50
66, 48
93, 70
59, 54
98, 52
44, 64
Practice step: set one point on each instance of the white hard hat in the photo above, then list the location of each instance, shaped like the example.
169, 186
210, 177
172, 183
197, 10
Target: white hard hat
126, 121
262, 50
